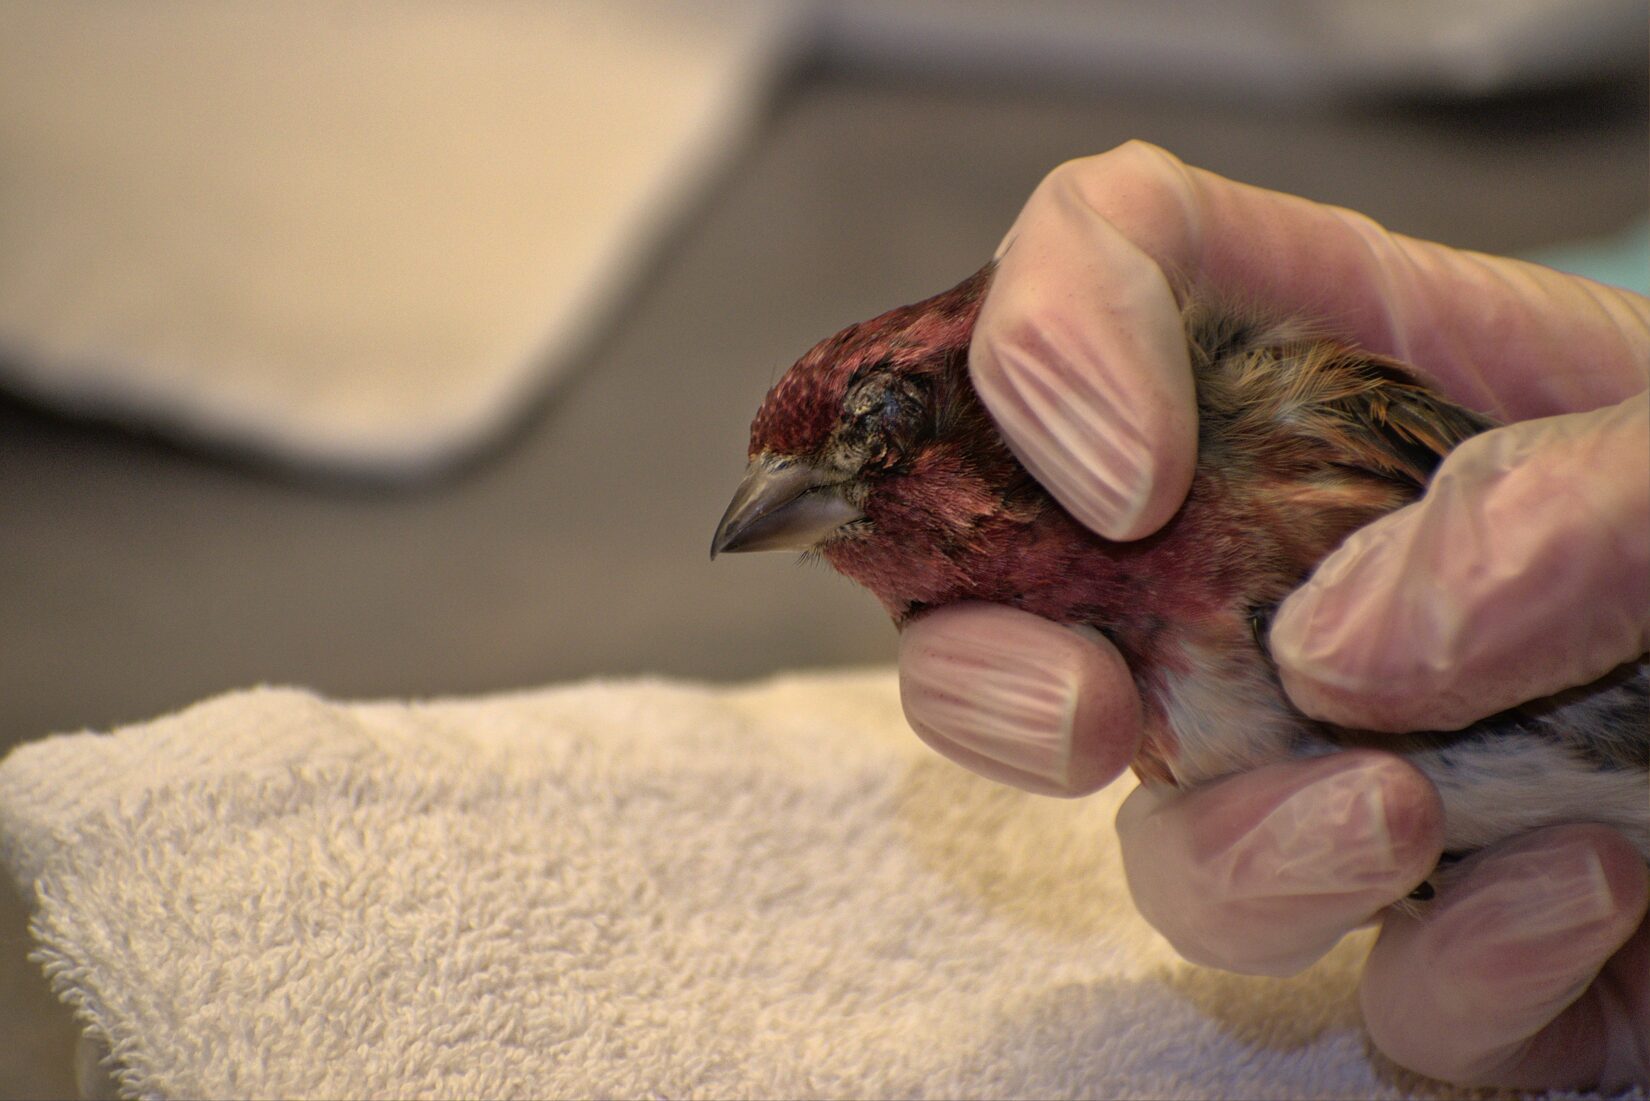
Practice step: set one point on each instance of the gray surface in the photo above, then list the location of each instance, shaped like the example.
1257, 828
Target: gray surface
136, 578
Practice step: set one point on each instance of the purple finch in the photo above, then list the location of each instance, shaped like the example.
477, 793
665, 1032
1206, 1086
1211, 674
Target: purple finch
874, 452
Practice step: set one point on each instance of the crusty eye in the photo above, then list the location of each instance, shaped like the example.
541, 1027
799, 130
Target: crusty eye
883, 416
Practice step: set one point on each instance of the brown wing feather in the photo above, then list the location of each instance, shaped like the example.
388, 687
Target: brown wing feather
1397, 425
1286, 393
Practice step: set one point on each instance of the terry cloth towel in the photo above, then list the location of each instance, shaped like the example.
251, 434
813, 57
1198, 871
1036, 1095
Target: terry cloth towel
622, 890
351, 235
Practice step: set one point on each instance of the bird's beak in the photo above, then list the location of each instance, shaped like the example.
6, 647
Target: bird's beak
783, 505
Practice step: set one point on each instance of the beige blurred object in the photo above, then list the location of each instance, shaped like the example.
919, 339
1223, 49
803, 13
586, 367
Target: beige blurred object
345, 233
360, 237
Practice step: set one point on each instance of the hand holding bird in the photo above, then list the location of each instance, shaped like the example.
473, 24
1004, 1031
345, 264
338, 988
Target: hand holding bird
1175, 535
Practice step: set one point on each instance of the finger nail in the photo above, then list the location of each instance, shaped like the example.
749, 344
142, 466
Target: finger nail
1544, 894
1068, 429
1087, 373
1534, 929
1362, 826
1006, 698
992, 701
1322, 636
1571, 896
1364, 644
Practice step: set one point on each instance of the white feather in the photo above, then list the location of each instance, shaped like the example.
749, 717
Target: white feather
1227, 714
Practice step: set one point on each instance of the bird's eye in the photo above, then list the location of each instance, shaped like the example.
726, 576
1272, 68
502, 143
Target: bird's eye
882, 418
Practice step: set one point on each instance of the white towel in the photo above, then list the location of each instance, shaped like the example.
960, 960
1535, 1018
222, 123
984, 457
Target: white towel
622, 889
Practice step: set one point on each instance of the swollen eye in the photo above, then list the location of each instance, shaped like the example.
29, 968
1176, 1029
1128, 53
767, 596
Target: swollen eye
884, 401
881, 418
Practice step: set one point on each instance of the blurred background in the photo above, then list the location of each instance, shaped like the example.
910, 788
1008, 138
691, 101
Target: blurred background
187, 506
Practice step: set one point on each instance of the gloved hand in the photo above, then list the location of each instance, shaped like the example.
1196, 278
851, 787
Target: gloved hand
1533, 969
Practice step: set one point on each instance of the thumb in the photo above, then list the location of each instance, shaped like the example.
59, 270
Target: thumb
1523, 571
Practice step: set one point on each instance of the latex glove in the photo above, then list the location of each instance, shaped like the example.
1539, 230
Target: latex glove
1422, 620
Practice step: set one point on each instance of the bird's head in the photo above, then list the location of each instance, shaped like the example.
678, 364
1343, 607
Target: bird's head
874, 451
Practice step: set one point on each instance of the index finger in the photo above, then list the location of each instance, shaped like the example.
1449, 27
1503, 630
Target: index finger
1075, 351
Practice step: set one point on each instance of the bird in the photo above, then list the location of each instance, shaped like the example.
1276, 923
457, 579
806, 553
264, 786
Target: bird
875, 453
